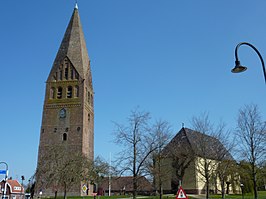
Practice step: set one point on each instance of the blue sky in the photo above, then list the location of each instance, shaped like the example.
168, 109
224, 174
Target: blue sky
169, 57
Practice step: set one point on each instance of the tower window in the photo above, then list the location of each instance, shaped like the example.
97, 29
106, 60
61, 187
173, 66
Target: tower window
89, 117
66, 72
60, 74
76, 91
71, 73
52, 93
59, 92
64, 137
69, 92
55, 129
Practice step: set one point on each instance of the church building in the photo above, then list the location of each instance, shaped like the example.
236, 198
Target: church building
68, 110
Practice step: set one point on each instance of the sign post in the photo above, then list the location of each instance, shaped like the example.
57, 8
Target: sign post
181, 194
4, 172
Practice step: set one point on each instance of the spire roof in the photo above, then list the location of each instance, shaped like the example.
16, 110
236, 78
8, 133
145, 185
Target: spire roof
73, 46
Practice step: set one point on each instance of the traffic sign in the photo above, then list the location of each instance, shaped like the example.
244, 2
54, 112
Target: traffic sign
84, 188
2, 171
181, 194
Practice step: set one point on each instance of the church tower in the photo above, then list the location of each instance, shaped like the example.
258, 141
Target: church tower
68, 113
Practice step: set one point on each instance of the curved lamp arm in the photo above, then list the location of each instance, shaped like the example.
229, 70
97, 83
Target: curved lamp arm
238, 68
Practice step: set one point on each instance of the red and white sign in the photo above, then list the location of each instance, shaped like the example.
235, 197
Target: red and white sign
181, 194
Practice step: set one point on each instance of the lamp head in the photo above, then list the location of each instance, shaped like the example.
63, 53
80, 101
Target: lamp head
238, 68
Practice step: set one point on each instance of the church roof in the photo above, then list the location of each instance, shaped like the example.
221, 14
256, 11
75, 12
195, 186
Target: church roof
73, 46
200, 144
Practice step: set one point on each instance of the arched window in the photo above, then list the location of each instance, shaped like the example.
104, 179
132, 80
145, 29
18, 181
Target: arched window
52, 93
76, 91
60, 74
59, 92
66, 72
69, 92
64, 137
71, 73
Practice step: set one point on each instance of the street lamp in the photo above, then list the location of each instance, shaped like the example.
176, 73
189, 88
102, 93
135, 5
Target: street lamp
242, 189
238, 68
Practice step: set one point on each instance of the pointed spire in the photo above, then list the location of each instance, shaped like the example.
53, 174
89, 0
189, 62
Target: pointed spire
76, 5
73, 46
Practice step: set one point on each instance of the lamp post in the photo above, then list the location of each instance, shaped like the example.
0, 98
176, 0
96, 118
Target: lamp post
242, 189
6, 175
238, 68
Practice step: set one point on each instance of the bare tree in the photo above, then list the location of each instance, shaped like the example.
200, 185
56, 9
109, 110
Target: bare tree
62, 170
210, 148
251, 131
96, 171
227, 173
156, 164
139, 143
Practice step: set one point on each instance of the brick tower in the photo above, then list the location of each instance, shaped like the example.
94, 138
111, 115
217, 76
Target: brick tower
68, 115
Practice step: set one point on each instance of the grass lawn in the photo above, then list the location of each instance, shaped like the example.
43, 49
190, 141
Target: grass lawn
262, 195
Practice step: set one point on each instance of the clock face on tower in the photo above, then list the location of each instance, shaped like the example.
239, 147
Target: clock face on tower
62, 113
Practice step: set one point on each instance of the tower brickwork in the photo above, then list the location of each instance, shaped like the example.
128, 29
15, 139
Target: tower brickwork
68, 110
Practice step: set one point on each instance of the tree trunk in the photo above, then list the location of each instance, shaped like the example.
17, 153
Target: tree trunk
223, 189
255, 184
55, 194
161, 191
135, 187
207, 188
65, 191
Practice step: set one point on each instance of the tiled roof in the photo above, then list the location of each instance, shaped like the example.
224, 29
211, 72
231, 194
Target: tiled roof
74, 47
200, 144
14, 186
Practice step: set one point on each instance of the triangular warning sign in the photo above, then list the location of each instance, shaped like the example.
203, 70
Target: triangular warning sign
181, 194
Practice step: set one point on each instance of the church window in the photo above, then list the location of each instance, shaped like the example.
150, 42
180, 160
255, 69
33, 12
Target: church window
59, 92
89, 117
55, 129
69, 92
52, 93
76, 91
66, 130
66, 72
72, 73
42, 130
60, 74
64, 137
78, 129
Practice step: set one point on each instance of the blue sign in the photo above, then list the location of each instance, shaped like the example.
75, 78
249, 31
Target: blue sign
2, 171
